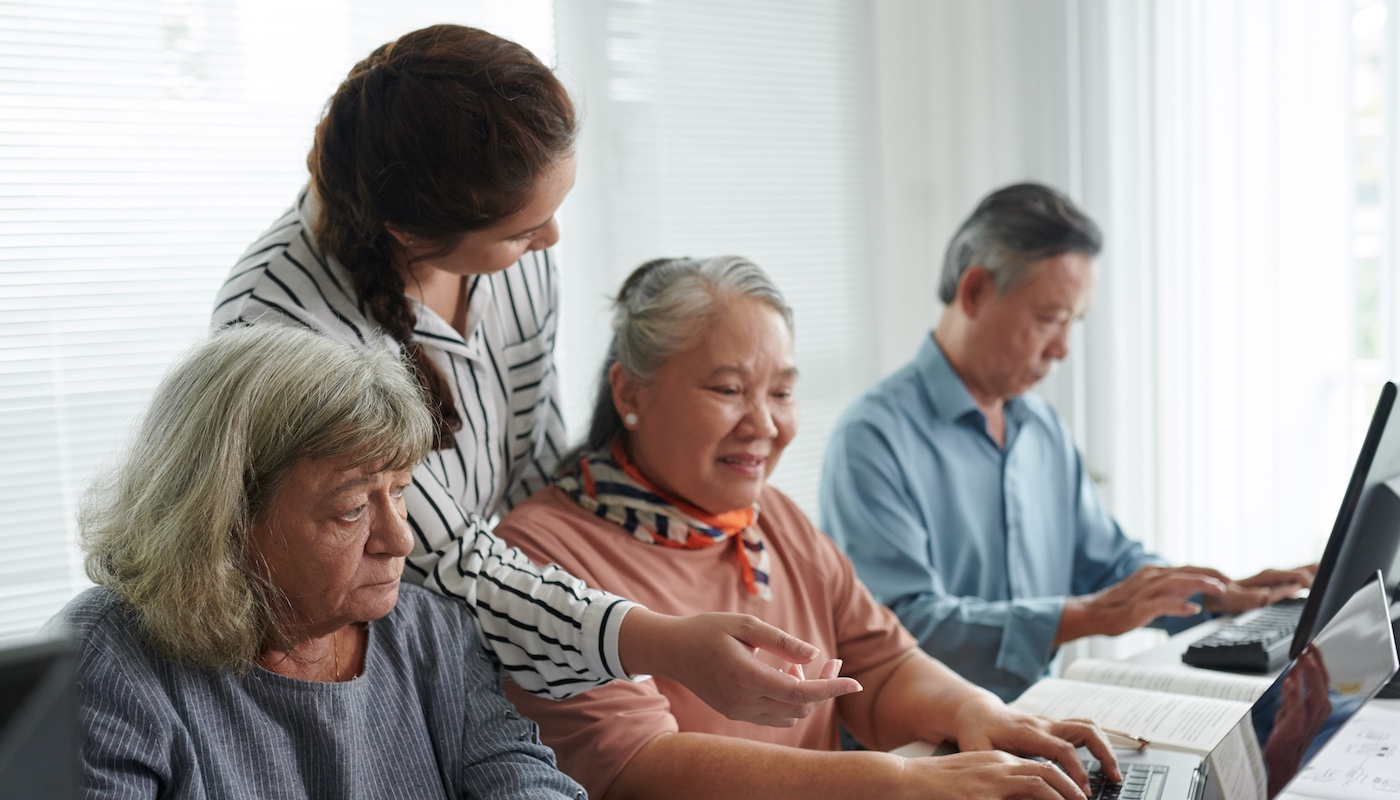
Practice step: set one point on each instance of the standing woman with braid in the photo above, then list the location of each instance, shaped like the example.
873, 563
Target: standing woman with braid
436, 171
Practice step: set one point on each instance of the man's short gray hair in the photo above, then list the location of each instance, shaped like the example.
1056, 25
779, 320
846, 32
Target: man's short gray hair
168, 529
663, 307
1012, 229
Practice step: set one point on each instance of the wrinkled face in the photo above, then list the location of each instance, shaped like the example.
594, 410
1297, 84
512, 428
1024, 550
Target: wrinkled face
334, 541
493, 249
714, 419
1016, 338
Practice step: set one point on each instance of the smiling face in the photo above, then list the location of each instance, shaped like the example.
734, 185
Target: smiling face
1015, 339
333, 543
492, 249
714, 419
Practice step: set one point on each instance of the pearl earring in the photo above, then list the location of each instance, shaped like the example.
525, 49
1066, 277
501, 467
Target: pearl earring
630, 420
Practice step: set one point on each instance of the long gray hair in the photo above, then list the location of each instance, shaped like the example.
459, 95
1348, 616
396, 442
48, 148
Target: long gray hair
663, 308
168, 529
1011, 229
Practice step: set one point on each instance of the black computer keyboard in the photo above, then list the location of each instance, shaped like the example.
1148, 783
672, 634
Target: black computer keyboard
1255, 642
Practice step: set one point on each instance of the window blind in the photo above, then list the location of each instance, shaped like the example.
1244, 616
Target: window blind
718, 127
143, 144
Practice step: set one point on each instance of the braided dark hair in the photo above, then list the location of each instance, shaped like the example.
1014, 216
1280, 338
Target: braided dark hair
444, 131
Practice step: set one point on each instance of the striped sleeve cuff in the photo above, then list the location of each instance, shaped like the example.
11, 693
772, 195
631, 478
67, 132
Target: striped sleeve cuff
602, 626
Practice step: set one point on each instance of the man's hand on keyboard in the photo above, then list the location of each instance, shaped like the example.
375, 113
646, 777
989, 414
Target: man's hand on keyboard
1147, 594
1265, 588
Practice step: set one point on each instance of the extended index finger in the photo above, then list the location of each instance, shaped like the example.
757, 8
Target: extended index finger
790, 703
816, 690
762, 680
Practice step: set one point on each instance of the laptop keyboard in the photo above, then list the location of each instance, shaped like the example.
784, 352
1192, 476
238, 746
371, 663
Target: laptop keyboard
1140, 782
1259, 643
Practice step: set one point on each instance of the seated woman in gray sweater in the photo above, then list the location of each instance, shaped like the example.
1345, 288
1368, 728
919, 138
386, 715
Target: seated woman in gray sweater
250, 637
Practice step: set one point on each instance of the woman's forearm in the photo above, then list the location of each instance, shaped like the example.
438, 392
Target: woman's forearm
910, 697
712, 655
698, 766
682, 766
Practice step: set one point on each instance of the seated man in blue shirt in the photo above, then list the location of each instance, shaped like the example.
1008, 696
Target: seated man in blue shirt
962, 498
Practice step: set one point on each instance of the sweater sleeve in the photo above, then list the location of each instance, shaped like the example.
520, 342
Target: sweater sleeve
504, 758
130, 749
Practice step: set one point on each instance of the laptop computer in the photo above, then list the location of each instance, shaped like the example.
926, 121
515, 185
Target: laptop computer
1343, 666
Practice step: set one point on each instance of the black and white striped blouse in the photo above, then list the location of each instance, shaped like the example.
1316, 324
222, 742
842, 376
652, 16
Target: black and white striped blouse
553, 634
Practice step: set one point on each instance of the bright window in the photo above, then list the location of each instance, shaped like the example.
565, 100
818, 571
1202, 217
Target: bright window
143, 144
716, 127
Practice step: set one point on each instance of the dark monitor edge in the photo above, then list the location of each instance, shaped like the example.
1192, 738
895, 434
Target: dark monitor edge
1327, 565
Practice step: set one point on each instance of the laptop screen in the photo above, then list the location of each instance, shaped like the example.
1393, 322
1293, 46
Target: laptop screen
1317, 693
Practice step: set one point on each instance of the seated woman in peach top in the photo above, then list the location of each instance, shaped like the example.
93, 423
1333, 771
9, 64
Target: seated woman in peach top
667, 502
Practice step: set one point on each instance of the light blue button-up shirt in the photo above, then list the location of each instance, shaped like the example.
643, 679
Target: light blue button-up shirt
974, 546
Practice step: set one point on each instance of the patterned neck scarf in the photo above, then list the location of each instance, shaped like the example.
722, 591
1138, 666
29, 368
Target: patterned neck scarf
609, 486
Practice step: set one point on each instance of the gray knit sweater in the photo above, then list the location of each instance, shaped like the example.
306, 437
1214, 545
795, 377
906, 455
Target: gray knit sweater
426, 719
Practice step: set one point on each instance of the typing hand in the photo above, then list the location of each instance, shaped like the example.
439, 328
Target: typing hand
992, 774
985, 723
1269, 586
714, 656
1147, 594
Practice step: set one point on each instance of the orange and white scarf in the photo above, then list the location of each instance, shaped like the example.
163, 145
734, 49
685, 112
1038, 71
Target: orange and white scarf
609, 486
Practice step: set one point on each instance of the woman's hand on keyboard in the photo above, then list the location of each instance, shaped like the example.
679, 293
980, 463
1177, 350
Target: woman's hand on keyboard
986, 724
992, 774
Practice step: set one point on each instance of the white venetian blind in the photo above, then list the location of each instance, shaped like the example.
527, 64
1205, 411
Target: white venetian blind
1230, 281
725, 126
143, 143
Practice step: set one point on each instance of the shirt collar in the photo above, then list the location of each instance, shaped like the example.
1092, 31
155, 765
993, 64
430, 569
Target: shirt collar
435, 331
951, 399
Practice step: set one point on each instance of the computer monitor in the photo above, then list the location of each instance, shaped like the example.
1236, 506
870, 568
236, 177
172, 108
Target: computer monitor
39, 737
1366, 535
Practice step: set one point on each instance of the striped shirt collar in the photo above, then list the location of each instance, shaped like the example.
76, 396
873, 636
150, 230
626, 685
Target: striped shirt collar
433, 330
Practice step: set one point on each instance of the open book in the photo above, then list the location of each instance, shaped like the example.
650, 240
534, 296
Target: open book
1174, 709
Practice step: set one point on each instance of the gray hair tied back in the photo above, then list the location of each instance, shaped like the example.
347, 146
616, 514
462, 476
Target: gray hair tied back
662, 309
